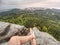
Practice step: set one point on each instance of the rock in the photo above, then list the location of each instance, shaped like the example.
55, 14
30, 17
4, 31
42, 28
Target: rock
44, 38
7, 30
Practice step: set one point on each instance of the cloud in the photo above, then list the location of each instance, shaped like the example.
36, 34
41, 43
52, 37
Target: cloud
46, 3
9, 4
14, 2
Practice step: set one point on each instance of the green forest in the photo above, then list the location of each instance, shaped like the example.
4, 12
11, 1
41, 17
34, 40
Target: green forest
47, 20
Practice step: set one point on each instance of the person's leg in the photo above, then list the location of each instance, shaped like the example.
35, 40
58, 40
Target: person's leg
18, 40
14, 41
33, 41
25, 39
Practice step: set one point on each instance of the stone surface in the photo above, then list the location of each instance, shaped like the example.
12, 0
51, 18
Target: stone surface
7, 30
44, 38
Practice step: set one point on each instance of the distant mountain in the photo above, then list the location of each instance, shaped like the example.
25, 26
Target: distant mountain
42, 11
2, 10
31, 8
40, 8
56, 10
35, 8
12, 11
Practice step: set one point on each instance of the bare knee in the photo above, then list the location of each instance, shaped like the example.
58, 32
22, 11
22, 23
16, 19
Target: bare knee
14, 40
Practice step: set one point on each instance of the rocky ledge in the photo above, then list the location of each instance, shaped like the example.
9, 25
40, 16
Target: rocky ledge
7, 30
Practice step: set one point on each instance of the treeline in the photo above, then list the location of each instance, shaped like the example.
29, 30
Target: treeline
44, 22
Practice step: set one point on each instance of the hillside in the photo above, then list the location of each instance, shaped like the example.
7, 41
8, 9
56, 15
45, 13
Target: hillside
47, 20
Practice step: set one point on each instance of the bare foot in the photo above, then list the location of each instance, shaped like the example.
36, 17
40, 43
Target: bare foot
32, 33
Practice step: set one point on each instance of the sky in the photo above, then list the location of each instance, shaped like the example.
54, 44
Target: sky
9, 4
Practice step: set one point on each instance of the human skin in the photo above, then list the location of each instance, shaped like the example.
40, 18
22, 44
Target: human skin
19, 40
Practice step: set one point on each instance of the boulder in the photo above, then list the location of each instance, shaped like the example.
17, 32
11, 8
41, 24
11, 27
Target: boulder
7, 30
44, 38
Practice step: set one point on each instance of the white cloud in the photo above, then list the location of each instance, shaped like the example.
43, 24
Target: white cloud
46, 3
6, 4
